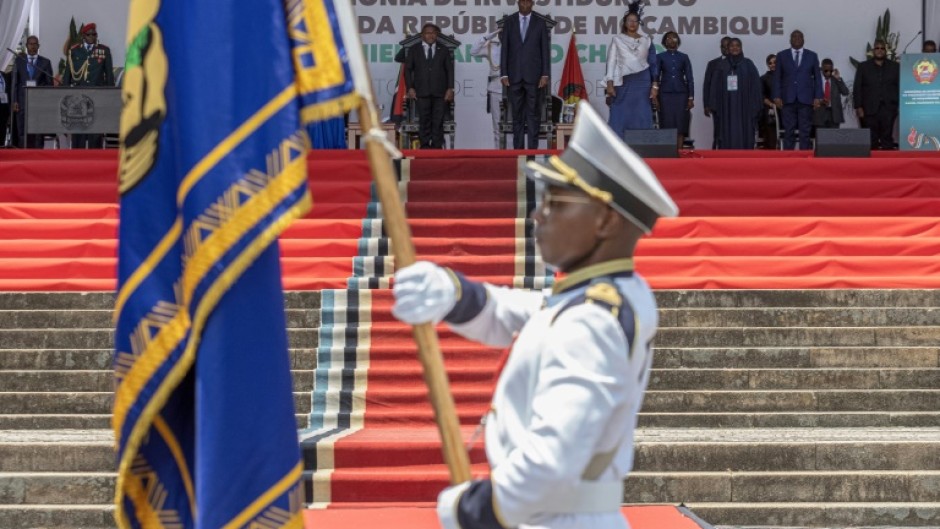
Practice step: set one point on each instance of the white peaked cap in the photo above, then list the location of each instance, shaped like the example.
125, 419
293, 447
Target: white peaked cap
599, 163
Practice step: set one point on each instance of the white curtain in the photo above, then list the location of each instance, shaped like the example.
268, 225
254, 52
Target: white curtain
13, 15
932, 20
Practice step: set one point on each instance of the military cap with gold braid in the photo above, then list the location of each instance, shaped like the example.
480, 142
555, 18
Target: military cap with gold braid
600, 164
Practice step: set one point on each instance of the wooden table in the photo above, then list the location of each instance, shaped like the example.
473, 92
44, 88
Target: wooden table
354, 134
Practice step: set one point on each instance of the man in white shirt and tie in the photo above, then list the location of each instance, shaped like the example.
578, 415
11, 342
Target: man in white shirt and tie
31, 70
429, 76
829, 115
524, 70
797, 90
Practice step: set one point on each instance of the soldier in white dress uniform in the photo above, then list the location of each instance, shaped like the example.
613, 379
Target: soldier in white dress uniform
559, 437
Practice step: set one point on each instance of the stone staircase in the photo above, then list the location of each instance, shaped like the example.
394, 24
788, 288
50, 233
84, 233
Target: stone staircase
770, 408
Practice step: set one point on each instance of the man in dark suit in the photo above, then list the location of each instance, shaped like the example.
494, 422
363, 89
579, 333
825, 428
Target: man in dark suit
429, 77
706, 87
524, 69
797, 90
88, 64
32, 70
829, 115
877, 83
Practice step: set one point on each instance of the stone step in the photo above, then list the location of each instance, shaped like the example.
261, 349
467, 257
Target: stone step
93, 381
667, 299
79, 422
91, 359
103, 318
57, 516
737, 299
660, 379
681, 317
797, 357
839, 419
862, 515
58, 403
662, 450
792, 400
52, 488
791, 378
61, 403
667, 337
799, 317
664, 358
783, 487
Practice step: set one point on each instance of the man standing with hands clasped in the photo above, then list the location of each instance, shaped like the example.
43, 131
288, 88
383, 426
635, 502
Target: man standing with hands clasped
525, 68
88, 64
31, 70
429, 76
877, 82
559, 436
797, 90
829, 115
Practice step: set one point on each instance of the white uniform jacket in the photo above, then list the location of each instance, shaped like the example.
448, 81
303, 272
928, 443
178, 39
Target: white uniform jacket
567, 399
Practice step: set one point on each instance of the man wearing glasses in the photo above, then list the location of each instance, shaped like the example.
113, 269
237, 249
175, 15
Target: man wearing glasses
829, 115
88, 64
559, 435
877, 83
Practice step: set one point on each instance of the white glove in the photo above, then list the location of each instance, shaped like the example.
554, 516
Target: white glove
424, 292
447, 505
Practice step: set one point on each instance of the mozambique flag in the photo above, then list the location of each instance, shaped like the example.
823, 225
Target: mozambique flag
397, 115
218, 95
571, 89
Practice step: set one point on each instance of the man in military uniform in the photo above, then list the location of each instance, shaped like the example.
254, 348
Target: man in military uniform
559, 437
88, 64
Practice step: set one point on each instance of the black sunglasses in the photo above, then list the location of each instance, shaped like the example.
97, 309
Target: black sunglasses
92, 33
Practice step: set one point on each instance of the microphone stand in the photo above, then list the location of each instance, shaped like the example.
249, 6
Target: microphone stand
911, 42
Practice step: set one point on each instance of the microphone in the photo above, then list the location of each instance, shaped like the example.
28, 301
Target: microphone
911, 42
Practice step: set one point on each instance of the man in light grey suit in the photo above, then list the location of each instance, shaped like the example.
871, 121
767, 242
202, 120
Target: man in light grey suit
829, 115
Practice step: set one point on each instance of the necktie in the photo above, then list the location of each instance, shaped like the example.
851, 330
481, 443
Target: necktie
31, 68
797, 58
827, 93
429, 54
525, 26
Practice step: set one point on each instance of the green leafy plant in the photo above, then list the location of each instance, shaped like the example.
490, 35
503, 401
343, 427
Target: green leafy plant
883, 32
73, 39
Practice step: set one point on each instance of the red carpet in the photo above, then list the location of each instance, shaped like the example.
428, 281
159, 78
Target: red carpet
750, 220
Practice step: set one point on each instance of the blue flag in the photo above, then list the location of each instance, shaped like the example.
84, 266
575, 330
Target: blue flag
218, 98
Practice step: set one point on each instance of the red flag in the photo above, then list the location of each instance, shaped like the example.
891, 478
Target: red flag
572, 87
398, 104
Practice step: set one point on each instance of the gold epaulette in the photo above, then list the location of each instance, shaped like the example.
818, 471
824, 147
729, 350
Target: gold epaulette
605, 294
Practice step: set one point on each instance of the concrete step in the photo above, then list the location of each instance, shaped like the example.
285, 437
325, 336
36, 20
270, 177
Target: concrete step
103, 338
771, 487
103, 318
57, 516
59, 403
867, 515
791, 378
79, 422
55, 488
661, 379
791, 400
667, 299
93, 381
799, 317
737, 299
839, 419
797, 357
91, 359
667, 337
681, 317
798, 336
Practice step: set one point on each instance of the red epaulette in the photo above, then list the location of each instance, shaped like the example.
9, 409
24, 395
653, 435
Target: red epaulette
76, 46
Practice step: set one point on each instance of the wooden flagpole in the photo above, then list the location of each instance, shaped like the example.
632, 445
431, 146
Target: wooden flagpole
429, 351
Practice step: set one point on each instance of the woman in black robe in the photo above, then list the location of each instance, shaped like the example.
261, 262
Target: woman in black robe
736, 99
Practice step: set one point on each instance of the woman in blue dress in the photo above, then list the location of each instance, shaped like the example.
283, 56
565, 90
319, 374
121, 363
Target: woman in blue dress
676, 88
632, 73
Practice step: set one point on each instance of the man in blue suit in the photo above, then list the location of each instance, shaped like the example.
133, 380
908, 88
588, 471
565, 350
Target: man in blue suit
797, 90
524, 69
